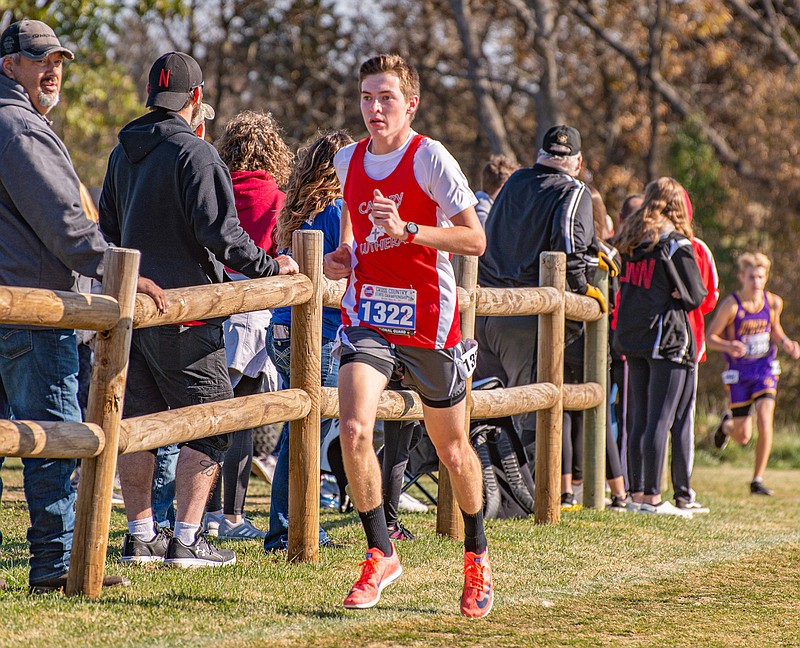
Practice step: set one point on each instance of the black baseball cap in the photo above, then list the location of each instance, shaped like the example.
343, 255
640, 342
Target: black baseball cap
33, 39
562, 140
171, 78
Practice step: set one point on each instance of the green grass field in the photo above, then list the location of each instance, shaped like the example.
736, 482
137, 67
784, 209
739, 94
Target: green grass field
730, 578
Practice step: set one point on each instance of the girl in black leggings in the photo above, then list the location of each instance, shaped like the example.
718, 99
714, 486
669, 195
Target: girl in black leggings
659, 283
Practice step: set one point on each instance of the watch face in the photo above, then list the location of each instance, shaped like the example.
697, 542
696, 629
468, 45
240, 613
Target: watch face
412, 228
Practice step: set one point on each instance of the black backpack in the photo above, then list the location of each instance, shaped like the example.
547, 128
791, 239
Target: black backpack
507, 480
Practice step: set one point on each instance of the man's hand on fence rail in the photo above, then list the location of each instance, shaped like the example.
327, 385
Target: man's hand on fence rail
594, 293
154, 291
336, 264
608, 262
287, 265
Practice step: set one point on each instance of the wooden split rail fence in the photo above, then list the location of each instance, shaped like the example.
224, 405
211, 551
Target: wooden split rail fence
119, 310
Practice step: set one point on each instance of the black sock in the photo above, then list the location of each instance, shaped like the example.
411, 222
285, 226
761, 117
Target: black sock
474, 537
374, 523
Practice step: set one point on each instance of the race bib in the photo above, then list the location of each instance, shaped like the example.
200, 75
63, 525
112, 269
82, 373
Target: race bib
757, 345
468, 360
775, 367
730, 377
393, 310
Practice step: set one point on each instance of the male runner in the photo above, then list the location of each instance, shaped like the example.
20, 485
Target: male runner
407, 205
747, 329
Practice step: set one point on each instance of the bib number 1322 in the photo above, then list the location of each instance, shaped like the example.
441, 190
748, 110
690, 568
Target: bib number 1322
391, 309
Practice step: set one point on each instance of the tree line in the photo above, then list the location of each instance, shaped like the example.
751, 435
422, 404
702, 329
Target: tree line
705, 91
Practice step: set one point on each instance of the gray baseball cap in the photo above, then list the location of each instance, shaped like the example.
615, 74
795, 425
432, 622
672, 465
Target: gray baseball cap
33, 39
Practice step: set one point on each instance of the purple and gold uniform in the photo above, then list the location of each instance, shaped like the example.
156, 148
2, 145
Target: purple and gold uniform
755, 375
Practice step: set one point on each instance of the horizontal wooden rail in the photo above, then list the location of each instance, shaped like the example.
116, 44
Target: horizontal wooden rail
52, 439
582, 397
580, 308
222, 300
57, 309
200, 421
516, 301
405, 405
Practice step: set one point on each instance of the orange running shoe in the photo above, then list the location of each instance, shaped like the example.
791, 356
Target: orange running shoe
377, 572
478, 596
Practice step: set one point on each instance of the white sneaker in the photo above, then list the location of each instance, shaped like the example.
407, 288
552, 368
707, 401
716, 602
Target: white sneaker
264, 467
211, 523
410, 504
664, 508
242, 531
692, 507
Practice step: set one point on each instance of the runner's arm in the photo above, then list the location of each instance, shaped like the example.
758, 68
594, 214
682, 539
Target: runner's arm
465, 237
778, 335
715, 336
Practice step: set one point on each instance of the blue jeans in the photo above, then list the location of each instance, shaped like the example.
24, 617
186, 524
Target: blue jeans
279, 351
39, 381
164, 485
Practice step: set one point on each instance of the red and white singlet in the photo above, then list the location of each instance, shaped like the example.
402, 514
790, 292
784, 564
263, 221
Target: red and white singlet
405, 291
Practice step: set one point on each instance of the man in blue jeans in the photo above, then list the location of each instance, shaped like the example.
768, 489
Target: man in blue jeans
44, 237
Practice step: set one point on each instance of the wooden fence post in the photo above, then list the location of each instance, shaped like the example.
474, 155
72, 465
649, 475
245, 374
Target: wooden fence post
305, 370
596, 370
550, 369
106, 394
449, 521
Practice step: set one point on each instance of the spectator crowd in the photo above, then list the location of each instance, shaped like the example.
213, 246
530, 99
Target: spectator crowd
393, 208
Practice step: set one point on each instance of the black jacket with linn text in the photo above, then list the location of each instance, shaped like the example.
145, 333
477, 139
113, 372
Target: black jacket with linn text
651, 322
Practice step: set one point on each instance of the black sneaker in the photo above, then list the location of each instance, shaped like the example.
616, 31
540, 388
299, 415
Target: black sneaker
136, 550
619, 503
200, 554
720, 438
758, 488
327, 543
399, 532
568, 500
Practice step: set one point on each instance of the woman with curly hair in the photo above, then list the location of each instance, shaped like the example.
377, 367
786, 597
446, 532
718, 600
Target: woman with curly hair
659, 284
313, 202
259, 162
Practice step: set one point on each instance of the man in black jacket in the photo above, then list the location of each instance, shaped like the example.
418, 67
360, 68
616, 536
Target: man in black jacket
168, 194
539, 209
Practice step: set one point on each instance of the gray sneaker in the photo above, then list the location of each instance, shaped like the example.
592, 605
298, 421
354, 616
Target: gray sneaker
242, 531
136, 550
211, 522
200, 554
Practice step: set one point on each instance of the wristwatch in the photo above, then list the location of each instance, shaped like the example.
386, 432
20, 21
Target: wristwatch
412, 229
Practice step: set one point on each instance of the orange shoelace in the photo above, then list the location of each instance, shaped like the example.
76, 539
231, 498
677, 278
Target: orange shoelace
368, 568
474, 573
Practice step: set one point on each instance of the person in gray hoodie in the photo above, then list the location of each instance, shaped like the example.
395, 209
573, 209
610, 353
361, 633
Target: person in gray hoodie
44, 238
168, 194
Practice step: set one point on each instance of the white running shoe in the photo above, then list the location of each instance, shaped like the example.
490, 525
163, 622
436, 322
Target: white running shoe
242, 531
692, 507
211, 523
664, 508
264, 467
410, 504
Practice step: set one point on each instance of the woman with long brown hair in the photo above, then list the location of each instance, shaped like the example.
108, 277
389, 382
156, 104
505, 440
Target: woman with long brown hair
660, 282
313, 201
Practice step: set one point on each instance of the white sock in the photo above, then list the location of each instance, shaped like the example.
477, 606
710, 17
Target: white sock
757, 479
186, 533
143, 529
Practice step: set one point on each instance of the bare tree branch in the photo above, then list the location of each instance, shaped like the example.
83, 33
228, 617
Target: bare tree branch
769, 27
671, 95
490, 118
